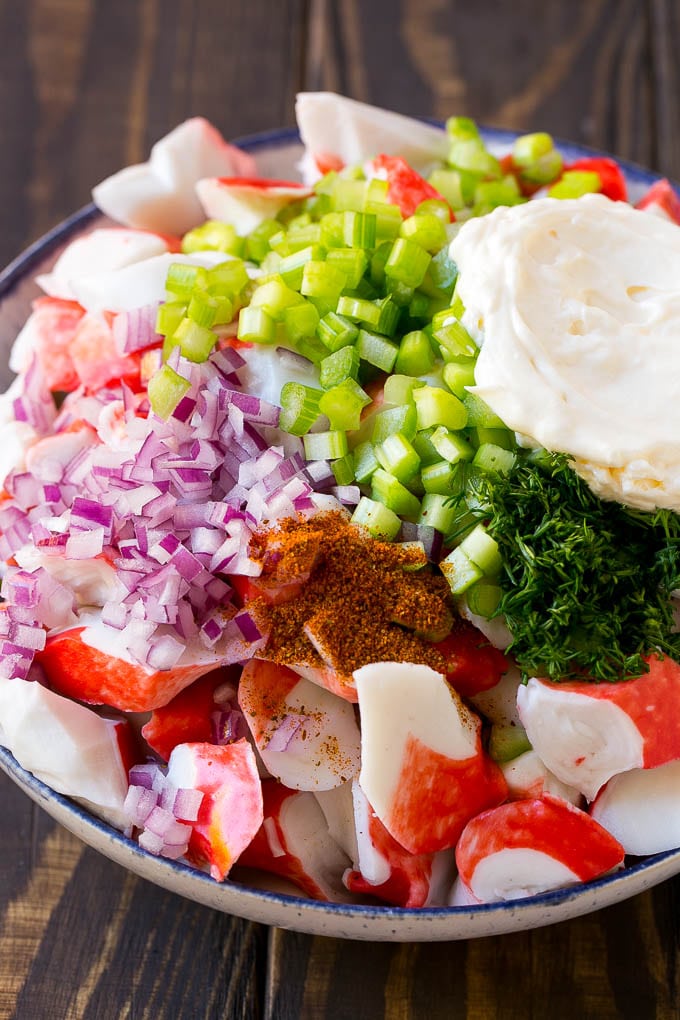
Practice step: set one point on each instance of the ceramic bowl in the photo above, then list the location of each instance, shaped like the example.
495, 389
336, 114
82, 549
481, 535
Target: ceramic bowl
277, 154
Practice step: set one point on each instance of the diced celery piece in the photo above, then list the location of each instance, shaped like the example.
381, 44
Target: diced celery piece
482, 550
396, 455
359, 229
494, 460
470, 154
275, 297
452, 335
389, 490
310, 347
304, 237
458, 375
332, 230
425, 229
376, 350
442, 271
325, 445
438, 207
399, 293
365, 462
359, 310
321, 280
165, 390
203, 308
480, 414
348, 195
537, 158
439, 477
499, 437
451, 446
353, 262
376, 191
448, 184
342, 364
388, 220
300, 321
407, 262
388, 317
459, 571
462, 128
378, 260
213, 236
422, 444
439, 407
196, 342
336, 331
291, 267
182, 278
343, 469
395, 419
169, 316
420, 306
490, 194
506, 742
483, 597
575, 183
299, 408
227, 278
257, 241
342, 404
398, 389
415, 355
379, 521
438, 511
255, 325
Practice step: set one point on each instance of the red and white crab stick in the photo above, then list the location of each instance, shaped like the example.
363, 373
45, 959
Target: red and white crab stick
641, 809
294, 843
231, 811
586, 733
423, 768
246, 201
528, 847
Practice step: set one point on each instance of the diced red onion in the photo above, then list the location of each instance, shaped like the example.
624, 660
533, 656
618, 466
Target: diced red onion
286, 731
136, 329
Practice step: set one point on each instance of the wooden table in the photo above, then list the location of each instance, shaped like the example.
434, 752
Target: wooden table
87, 86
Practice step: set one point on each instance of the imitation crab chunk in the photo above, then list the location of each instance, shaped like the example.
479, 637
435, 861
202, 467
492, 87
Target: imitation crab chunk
159, 195
68, 746
527, 777
231, 810
423, 768
641, 809
528, 847
246, 201
294, 843
586, 733
308, 738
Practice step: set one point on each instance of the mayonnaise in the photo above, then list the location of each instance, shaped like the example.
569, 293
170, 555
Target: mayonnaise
576, 307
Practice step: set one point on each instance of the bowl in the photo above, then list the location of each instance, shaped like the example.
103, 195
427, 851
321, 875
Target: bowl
277, 154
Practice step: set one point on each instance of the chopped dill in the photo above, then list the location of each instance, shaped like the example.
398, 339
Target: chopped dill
586, 583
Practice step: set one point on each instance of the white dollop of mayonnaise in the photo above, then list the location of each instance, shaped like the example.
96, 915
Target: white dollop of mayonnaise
575, 305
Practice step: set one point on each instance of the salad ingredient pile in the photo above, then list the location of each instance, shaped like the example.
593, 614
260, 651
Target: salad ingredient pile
325, 511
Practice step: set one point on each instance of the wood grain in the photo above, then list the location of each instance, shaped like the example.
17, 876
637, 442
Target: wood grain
88, 86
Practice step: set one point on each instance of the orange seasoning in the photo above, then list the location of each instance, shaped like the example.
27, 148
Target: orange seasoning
333, 596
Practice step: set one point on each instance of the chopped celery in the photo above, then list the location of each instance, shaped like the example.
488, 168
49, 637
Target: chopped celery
506, 742
359, 229
480, 414
437, 511
388, 490
342, 404
494, 459
422, 444
325, 445
396, 455
439, 477
213, 236
458, 375
376, 350
395, 419
407, 262
365, 462
169, 316
291, 267
300, 321
359, 310
195, 342
166, 388
398, 389
469, 154
459, 571
462, 128
255, 325
299, 408
482, 550
439, 407
448, 183
415, 355
388, 220
499, 437
275, 297
483, 597
425, 229
336, 331
321, 280
257, 241
379, 521
342, 364
353, 262
227, 278
451, 446
343, 469
575, 183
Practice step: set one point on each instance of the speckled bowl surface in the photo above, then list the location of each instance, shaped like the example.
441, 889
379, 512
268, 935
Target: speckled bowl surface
277, 154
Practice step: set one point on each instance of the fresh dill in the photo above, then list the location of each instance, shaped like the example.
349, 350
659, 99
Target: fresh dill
586, 583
